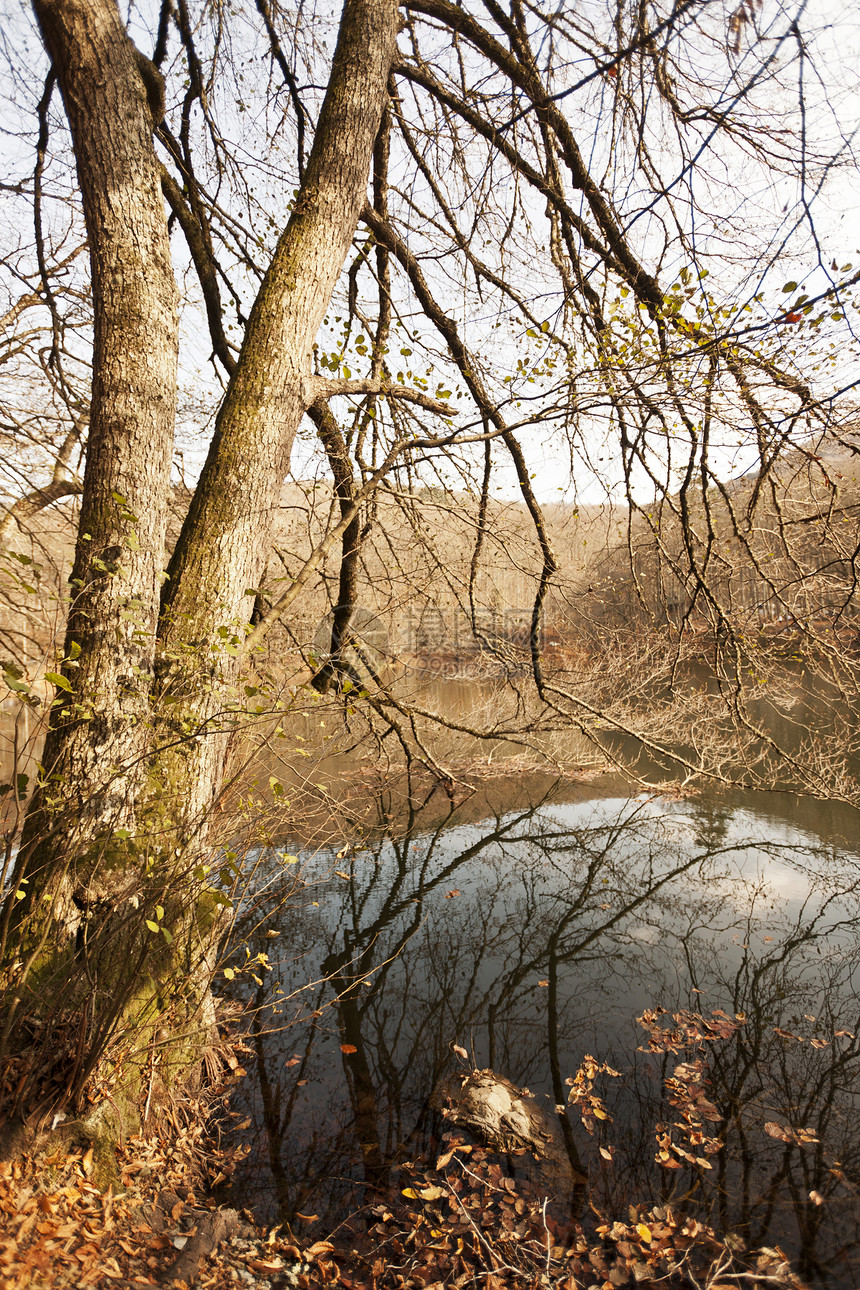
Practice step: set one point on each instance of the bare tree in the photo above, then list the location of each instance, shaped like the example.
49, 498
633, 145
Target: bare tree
501, 240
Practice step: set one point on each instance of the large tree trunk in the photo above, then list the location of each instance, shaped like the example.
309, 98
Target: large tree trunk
222, 552
99, 732
131, 763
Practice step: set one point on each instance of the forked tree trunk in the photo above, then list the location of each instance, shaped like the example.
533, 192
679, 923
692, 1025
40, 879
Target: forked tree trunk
103, 733
103, 839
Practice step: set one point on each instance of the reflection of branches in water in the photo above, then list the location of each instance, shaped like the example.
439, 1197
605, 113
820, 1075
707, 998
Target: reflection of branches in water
769, 1070
537, 936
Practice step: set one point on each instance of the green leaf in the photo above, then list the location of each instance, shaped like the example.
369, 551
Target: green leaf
168, 936
153, 927
159, 912
59, 681
229, 973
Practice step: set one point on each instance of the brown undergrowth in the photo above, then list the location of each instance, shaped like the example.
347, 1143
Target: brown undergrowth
121, 1195
464, 1223
468, 1223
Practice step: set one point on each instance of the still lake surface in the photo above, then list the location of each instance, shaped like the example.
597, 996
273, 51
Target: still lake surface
534, 936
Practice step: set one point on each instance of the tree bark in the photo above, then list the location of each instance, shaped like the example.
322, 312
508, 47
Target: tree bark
99, 731
344, 487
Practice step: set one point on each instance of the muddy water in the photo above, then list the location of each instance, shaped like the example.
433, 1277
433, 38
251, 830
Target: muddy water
536, 935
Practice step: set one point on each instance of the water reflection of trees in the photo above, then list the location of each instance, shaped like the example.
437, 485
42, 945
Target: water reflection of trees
538, 936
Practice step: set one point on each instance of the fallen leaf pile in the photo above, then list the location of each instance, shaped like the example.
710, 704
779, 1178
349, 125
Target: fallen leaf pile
55, 1226
466, 1222
58, 1229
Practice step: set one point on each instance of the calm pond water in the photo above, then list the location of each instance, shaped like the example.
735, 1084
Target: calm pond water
535, 936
